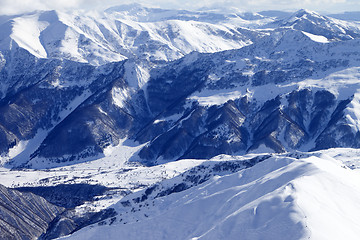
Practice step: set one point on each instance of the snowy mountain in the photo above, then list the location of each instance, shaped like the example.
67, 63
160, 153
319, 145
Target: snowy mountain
120, 33
198, 106
314, 23
154, 119
313, 197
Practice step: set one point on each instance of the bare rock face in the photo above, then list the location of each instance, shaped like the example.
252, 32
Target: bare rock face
24, 215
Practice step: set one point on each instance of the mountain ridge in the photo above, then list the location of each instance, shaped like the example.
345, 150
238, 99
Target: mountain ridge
200, 98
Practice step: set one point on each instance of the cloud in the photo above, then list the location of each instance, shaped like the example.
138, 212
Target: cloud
20, 6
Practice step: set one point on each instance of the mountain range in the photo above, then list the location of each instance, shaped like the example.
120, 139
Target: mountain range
208, 96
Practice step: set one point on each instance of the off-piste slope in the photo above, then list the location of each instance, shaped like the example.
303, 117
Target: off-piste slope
312, 197
130, 31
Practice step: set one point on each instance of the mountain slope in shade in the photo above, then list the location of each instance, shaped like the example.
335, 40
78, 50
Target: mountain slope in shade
24, 215
263, 94
279, 198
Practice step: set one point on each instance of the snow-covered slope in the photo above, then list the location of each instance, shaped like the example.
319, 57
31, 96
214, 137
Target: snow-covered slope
282, 197
133, 31
314, 23
120, 33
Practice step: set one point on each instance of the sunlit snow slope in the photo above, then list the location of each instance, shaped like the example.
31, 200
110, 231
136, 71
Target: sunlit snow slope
280, 198
121, 33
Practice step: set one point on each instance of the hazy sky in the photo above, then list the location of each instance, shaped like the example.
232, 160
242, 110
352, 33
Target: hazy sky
333, 6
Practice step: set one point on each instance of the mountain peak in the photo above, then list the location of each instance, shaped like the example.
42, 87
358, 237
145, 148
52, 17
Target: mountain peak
49, 16
124, 8
304, 14
314, 23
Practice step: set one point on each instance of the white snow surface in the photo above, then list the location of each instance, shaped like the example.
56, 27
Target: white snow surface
26, 33
120, 96
209, 98
99, 37
343, 84
313, 197
115, 169
316, 38
352, 112
288, 196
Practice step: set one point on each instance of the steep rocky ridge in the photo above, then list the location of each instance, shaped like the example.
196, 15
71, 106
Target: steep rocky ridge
24, 215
